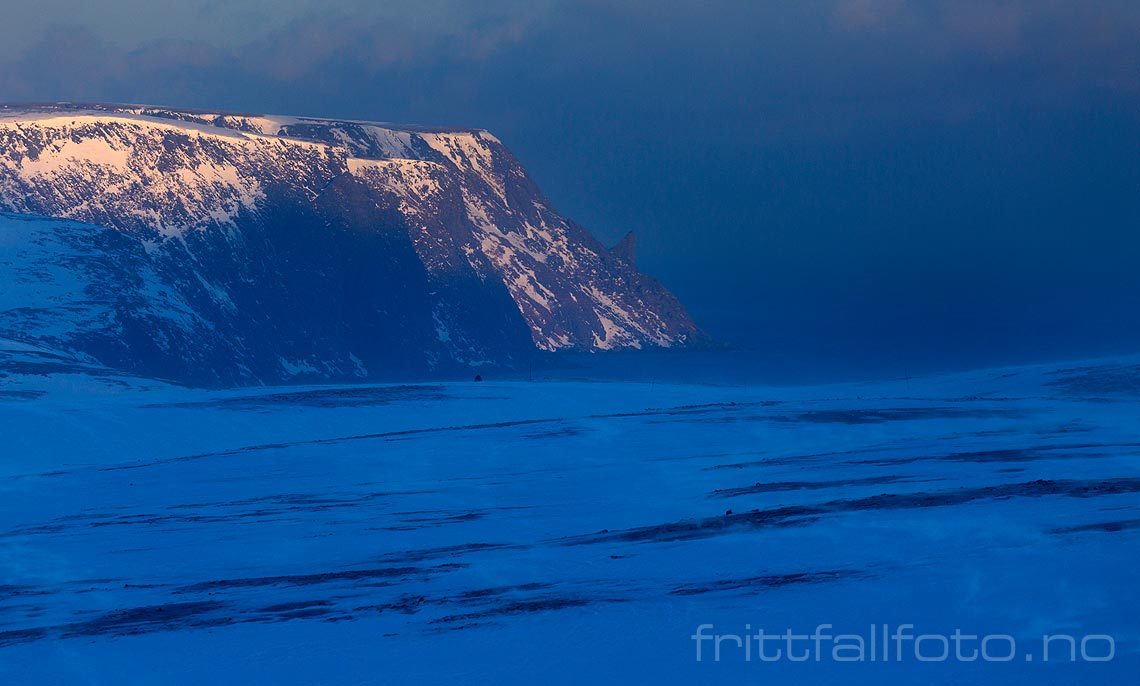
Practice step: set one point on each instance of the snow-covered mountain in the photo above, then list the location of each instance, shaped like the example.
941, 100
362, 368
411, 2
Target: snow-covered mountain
237, 248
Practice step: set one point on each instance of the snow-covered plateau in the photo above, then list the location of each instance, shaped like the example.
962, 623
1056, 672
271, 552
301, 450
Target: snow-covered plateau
221, 249
564, 532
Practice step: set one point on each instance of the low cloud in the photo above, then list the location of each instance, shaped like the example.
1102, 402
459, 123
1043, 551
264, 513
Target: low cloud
817, 65
1077, 43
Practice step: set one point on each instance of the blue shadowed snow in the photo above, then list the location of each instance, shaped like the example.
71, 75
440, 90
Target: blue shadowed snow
568, 532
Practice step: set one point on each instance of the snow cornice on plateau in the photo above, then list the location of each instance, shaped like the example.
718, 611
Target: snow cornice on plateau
222, 124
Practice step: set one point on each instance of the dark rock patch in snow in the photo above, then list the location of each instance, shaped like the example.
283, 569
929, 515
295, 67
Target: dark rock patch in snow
764, 582
322, 397
1102, 527
781, 486
348, 575
897, 414
1111, 380
794, 515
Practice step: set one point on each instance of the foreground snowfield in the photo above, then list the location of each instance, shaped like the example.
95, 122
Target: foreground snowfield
568, 532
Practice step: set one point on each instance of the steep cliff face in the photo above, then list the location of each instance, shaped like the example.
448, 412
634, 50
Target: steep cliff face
304, 247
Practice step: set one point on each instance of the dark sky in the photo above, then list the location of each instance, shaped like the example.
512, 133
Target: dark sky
872, 184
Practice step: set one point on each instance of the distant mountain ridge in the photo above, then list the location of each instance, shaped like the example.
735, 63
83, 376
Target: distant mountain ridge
229, 248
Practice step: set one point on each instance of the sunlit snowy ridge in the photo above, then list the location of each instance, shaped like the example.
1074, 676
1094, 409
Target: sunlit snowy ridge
255, 218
